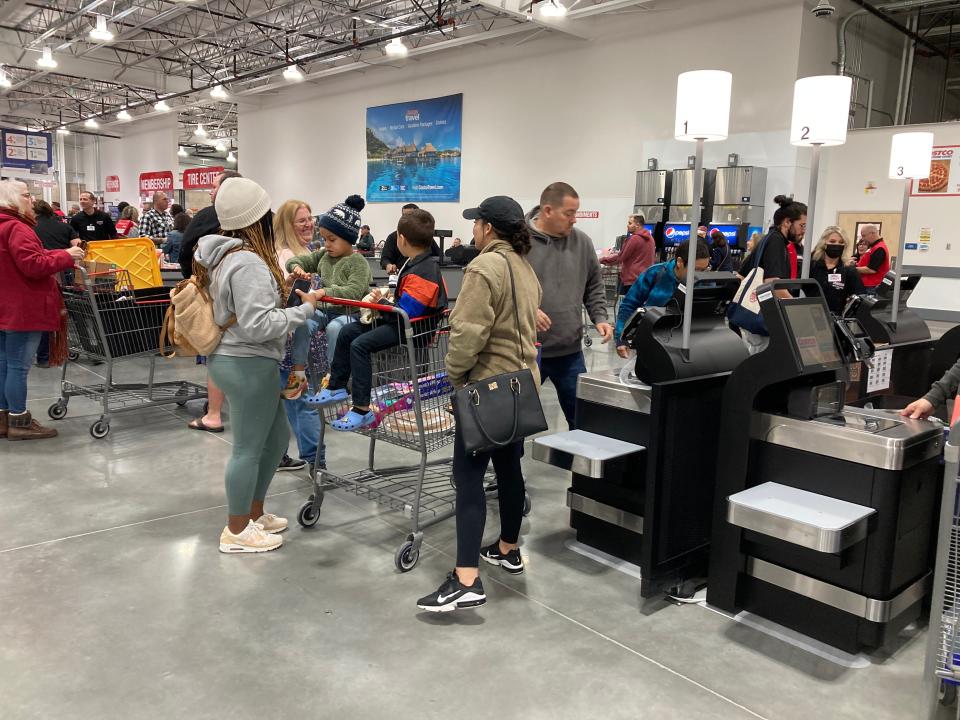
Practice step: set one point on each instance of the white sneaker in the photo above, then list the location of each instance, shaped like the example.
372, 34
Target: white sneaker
268, 522
252, 540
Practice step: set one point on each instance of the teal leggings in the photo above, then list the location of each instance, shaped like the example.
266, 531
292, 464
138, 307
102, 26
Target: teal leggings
260, 429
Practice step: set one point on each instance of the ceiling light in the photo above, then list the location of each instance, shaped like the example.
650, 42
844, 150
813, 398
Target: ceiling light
161, 106
218, 93
292, 73
200, 131
46, 60
63, 131
231, 158
552, 9
4, 80
124, 116
396, 48
219, 146
182, 152
91, 123
100, 32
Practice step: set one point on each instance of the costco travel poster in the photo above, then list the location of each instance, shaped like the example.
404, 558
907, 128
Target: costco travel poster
413, 151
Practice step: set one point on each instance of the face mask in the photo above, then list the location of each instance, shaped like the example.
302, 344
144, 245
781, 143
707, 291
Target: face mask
833, 251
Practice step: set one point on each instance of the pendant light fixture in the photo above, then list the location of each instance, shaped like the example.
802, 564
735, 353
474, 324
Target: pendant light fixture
218, 93
161, 106
100, 32
292, 74
200, 132
46, 59
396, 48
182, 151
553, 9
4, 80
124, 116
231, 158
91, 123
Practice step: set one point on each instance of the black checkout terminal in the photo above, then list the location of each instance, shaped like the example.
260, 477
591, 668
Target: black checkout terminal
825, 515
643, 453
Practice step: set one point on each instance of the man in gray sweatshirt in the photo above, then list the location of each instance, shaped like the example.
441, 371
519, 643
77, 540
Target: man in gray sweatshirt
942, 390
566, 264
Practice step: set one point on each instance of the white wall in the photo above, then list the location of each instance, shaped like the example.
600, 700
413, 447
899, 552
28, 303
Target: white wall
147, 146
553, 108
848, 169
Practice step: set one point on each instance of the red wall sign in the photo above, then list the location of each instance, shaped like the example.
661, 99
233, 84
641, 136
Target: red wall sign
113, 184
152, 182
200, 178
588, 214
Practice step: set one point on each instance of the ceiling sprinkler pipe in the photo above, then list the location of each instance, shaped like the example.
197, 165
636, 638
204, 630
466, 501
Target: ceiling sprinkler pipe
842, 40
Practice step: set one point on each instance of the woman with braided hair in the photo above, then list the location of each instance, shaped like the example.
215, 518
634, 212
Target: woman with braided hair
240, 269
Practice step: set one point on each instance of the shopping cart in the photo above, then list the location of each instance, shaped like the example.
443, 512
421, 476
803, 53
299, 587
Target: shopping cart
610, 277
942, 671
109, 321
411, 397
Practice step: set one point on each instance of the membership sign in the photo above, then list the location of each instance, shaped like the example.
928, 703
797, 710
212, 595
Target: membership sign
413, 151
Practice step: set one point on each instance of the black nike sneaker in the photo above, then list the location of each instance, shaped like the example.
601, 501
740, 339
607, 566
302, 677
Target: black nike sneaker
454, 595
288, 463
511, 561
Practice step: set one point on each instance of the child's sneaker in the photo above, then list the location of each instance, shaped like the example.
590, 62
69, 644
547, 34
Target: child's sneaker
296, 386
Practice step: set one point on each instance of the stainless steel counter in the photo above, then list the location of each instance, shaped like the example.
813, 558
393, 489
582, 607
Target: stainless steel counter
876, 438
605, 388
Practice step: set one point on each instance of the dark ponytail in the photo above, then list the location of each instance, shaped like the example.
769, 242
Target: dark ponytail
519, 240
790, 209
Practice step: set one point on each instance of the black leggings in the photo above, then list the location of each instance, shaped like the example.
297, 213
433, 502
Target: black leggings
468, 472
355, 345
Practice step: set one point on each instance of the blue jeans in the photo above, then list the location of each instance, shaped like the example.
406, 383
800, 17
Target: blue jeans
563, 371
305, 425
16, 358
320, 320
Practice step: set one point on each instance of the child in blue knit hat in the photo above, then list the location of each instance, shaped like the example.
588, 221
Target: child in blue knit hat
344, 273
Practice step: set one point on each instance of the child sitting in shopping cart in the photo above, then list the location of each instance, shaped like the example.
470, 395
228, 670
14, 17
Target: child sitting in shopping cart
420, 293
344, 274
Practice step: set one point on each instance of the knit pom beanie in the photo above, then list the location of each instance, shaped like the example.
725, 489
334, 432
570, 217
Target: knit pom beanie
343, 219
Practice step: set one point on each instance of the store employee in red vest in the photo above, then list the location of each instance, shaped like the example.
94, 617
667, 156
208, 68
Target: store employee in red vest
874, 263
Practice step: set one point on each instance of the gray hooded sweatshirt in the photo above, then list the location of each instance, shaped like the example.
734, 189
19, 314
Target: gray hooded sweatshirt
241, 285
569, 273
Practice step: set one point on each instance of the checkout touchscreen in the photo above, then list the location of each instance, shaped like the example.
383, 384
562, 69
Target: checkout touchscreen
812, 333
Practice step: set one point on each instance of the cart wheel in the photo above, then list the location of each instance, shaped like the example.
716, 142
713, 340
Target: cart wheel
587, 340
308, 515
57, 411
947, 694
73, 356
527, 504
100, 429
406, 557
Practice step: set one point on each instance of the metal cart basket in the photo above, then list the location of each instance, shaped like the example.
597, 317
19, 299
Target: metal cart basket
110, 321
411, 397
942, 671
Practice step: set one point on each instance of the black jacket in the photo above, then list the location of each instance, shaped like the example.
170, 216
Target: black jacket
203, 223
391, 254
836, 290
54, 233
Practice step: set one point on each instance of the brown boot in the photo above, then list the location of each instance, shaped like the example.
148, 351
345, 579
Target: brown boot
24, 427
3, 423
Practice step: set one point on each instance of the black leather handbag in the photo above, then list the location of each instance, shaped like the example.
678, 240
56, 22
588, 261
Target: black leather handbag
502, 409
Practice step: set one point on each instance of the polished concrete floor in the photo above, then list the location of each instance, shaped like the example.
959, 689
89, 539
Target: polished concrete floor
114, 603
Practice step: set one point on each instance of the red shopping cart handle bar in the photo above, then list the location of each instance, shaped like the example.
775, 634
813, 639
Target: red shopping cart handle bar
374, 306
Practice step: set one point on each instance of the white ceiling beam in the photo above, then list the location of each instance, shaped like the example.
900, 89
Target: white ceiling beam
510, 8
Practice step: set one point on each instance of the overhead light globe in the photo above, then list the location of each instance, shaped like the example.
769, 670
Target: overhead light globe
231, 158
219, 146
46, 59
910, 155
200, 132
161, 106
100, 32
182, 152
4, 80
703, 105
124, 116
821, 110
553, 9
63, 131
91, 123
396, 48
218, 93
292, 74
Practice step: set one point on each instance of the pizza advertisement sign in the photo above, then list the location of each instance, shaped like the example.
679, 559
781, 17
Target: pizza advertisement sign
944, 180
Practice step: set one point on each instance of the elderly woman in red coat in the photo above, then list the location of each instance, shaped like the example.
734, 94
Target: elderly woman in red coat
29, 306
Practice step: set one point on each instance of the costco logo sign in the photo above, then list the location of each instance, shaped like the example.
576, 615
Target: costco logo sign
947, 153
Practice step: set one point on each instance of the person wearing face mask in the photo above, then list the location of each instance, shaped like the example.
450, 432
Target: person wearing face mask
831, 268
771, 256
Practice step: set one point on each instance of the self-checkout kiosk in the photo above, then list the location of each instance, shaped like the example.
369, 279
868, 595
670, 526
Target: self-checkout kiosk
908, 337
738, 206
825, 515
642, 454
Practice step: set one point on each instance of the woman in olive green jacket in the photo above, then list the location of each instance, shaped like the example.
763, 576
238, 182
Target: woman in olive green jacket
493, 330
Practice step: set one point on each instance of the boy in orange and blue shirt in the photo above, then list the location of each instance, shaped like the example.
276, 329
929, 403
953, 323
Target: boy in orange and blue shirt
420, 293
